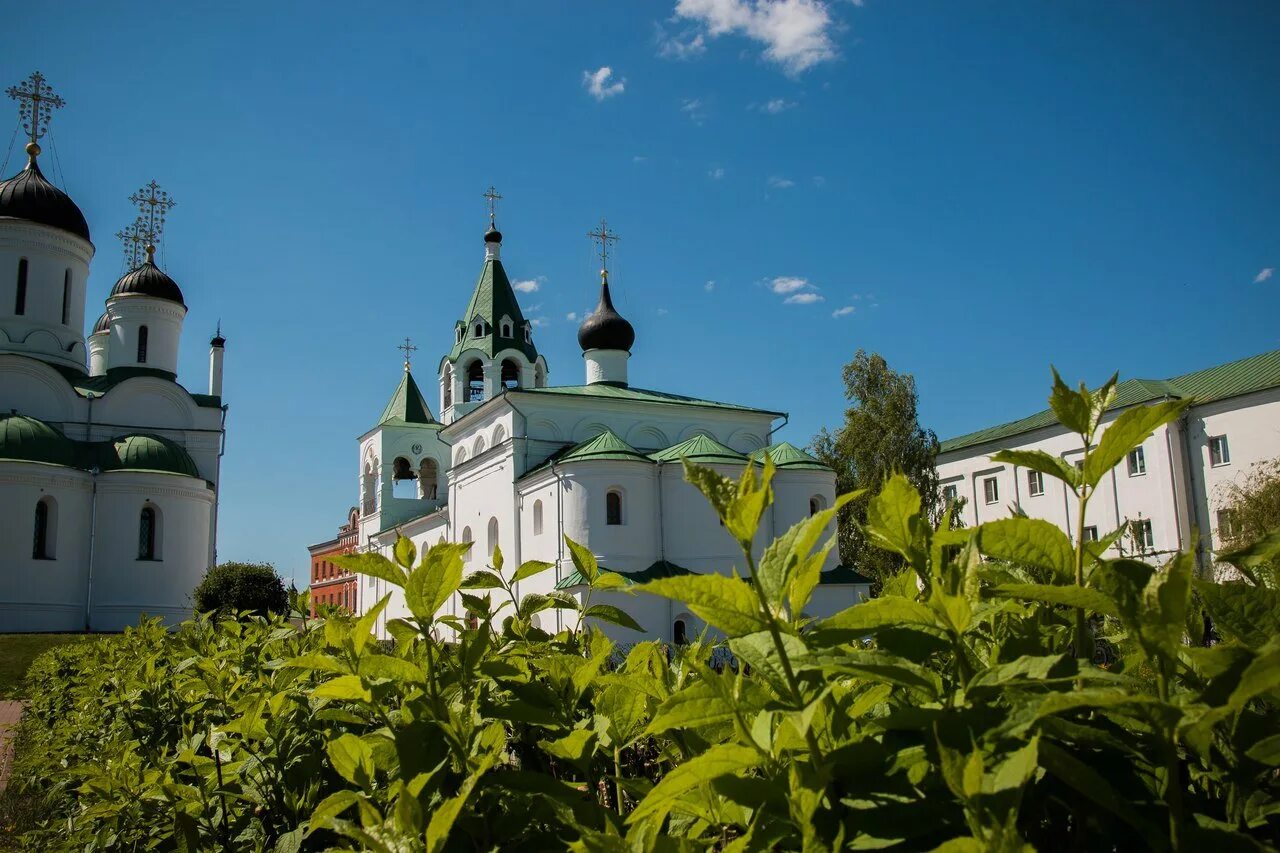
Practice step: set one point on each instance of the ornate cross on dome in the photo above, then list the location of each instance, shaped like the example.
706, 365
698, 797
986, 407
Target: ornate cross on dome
408, 349
36, 103
604, 237
492, 195
154, 205
133, 239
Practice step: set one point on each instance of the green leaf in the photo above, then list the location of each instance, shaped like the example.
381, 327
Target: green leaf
760, 653
614, 615
892, 518
437, 578
583, 560
1022, 672
890, 669
868, 617
1261, 677
1038, 460
333, 805
1030, 541
374, 565
789, 569
442, 819
1067, 596
353, 759
1126, 432
575, 747
497, 558
740, 505
625, 708
364, 626
702, 703
725, 602
1166, 599
406, 552
608, 580
319, 662
717, 761
396, 669
344, 687
1254, 556
482, 579
530, 568
1245, 613
1071, 408
1266, 751
1093, 786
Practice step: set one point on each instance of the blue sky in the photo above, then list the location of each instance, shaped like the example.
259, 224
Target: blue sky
990, 187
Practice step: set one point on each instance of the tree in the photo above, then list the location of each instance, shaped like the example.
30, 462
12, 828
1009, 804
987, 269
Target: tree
881, 436
236, 587
1250, 509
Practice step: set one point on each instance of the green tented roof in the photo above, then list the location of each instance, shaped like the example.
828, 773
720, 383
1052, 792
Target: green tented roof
787, 455
407, 405
606, 391
606, 445
1245, 376
840, 575
700, 448
493, 299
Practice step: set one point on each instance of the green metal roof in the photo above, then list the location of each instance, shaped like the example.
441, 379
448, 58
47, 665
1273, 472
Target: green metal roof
142, 452
787, 455
606, 445
407, 405
607, 391
27, 439
700, 448
840, 575
492, 299
1245, 376
85, 385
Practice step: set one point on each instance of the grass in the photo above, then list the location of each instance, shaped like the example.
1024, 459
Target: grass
17, 651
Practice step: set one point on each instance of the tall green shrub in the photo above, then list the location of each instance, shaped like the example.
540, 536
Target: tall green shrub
241, 587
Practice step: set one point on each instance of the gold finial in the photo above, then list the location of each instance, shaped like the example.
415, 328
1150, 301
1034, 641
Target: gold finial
153, 205
604, 237
36, 103
408, 349
492, 195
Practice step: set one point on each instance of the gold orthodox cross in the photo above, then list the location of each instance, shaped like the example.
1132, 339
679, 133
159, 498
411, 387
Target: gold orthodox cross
154, 205
604, 237
36, 103
492, 195
408, 349
133, 239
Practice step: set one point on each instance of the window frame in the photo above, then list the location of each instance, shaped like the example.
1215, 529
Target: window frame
1143, 532
148, 537
1223, 453
1035, 483
1091, 533
20, 295
950, 493
45, 528
144, 338
991, 490
1136, 461
614, 508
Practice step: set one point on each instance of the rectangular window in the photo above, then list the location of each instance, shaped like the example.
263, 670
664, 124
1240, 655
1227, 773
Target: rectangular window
949, 494
1226, 524
1091, 533
1219, 453
1137, 462
20, 299
1142, 534
66, 297
991, 490
1035, 483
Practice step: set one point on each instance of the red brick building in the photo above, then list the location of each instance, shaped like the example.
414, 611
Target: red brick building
329, 583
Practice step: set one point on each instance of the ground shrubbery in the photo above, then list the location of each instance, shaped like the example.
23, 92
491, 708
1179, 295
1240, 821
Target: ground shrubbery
950, 713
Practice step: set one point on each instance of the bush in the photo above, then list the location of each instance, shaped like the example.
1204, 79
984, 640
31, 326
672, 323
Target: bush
959, 712
241, 587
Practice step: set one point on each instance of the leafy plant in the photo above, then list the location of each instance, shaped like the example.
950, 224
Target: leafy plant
241, 587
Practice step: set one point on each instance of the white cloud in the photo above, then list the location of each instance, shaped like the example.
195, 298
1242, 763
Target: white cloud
572, 316
774, 106
819, 181
662, 312
778, 183
806, 298
602, 84
688, 44
840, 312
1264, 274
639, 158
529, 285
789, 284
709, 286
716, 173
796, 34
539, 322
694, 109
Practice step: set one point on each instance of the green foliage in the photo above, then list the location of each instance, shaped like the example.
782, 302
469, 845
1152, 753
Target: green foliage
229, 588
881, 436
1251, 510
959, 711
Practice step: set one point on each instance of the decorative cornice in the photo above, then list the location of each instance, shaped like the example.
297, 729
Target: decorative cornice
22, 234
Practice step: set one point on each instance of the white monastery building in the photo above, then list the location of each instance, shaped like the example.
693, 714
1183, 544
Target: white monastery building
1166, 491
516, 462
108, 467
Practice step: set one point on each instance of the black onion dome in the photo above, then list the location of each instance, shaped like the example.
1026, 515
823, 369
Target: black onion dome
103, 324
148, 280
605, 328
493, 235
28, 195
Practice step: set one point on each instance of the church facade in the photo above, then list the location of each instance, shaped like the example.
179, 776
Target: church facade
108, 466
518, 463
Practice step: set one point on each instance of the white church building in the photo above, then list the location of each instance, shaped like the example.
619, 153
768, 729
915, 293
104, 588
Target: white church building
516, 462
1169, 491
108, 466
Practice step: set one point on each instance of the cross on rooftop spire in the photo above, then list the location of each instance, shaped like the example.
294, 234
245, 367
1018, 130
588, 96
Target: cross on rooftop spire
133, 239
408, 349
36, 103
492, 195
154, 204
604, 237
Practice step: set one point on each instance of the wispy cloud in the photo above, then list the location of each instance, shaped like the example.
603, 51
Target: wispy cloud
684, 45
788, 284
572, 316
529, 285
779, 183
818, 181
539, 322
602, 84
662, 312
709, 286
795, 34
638, 158
695, 109
806, 298
840, 312
715, 173
1264, 274
773, 106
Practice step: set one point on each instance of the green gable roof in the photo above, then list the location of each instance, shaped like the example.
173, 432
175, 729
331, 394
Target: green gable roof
787, 455
407, 405
493, 299
606, 445
1233, 379
604, 391
700, 448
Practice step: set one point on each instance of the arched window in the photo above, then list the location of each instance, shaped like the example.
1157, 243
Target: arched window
679, 634
506, 330
142, 345
459, 331
539, 376
404, 482
479, 328
466, 538
370, 489
816, 505
528, 333
492, 539
20, 300
66, 297
613, 507
147, 534
448, 386
42, 540
461, 457
537, 518
475, 382
428, 479
510, 374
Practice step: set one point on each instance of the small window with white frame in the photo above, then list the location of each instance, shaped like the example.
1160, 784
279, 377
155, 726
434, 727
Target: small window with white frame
1137, 462
1219, 452
1091, 533
991, 490
950, 493
1035, 483
1143, 536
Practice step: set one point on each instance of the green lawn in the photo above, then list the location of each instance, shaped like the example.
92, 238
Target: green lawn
17, 651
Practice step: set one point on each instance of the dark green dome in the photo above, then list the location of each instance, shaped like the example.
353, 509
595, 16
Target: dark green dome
143, 452
29, 440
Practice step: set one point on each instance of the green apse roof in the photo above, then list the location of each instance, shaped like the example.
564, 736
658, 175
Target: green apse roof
787, 455
30, 440
606, 391
606, 445
492, 299
700, 448
1245, 376
663, 569
407, 405
144, 452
